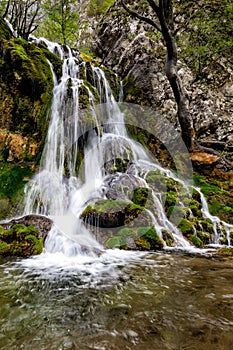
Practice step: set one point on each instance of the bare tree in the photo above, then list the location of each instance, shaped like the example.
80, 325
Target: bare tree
22, 15
163, 10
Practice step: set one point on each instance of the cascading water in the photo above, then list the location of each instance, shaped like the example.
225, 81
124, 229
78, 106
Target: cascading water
62, 189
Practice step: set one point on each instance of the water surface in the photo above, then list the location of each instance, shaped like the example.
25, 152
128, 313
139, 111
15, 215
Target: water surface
117, 301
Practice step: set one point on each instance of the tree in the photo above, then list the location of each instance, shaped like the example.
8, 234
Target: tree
22, 15
206, 33
61, 21
163, 10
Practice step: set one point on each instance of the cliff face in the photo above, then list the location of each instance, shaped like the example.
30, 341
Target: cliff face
26, 85
136, 52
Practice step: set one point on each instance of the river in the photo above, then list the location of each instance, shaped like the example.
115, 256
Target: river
120, 300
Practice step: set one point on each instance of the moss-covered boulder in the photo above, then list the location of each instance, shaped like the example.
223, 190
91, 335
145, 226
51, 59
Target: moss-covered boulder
121, 224
139, 238
111, 213
20, 240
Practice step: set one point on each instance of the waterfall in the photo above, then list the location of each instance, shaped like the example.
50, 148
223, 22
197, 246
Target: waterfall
63, 187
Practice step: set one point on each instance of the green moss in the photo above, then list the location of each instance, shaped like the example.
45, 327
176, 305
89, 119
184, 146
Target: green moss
157, 181
12, 180
5, 32
20, 240
196, 241
206, 225
225, 251
170, 199
176, 213
186, 227
140, 238
113, 242
205, 237
168, 238
3, 248
36, 243
140, 196
108, 206
143, 244
218, 195
27, 80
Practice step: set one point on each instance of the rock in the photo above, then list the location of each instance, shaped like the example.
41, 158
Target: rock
20, 240
138, 56
120, 224
42, 223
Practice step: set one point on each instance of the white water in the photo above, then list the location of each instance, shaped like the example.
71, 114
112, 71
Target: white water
61, 190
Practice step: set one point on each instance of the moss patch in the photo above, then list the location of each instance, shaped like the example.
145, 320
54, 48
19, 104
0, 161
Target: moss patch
140, 238
218, 195
20, 240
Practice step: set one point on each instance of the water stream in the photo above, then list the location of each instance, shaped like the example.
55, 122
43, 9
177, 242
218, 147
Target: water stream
119, 301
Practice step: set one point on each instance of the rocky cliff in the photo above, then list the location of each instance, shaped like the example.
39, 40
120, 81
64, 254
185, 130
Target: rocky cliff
137, 53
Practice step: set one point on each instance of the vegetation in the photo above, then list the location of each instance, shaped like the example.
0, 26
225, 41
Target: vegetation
12, 181
20, 240
98, 7
206, 34
61, 22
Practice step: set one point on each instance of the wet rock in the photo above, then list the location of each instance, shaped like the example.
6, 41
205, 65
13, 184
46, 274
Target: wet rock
20, 240
42, 223
120, 224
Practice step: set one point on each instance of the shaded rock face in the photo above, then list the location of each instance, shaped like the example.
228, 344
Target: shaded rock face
136, 52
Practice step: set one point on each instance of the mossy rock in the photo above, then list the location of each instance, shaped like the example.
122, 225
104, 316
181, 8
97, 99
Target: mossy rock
12, 181
218, 195
157, 181
168, 238
205, 237
176, 213
27, 84
5, 32
20, 240
186, 228
171, 199
206, 225
140, 195
141, 238
196, 241
111, 213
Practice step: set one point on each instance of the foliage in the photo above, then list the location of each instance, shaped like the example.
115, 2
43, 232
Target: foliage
206, 32
98, 7
61, 22
12, 179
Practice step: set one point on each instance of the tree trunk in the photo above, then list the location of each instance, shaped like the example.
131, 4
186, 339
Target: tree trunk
184, 117
165, 15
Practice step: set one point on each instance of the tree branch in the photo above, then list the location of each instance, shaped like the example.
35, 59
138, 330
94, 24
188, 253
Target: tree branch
142, 18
